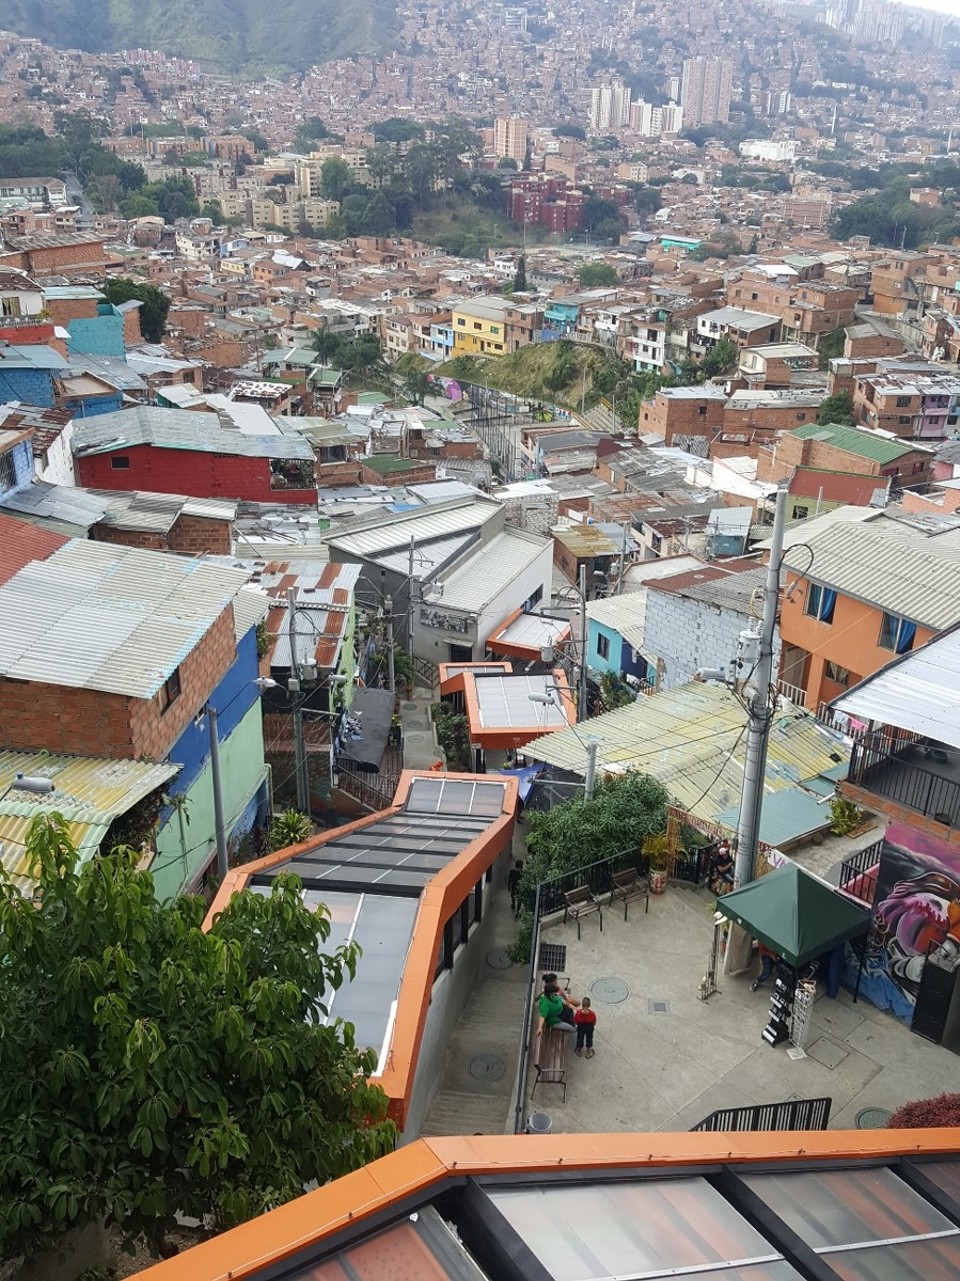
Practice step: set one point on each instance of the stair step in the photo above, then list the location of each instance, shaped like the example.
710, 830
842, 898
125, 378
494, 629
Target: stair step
457, 1113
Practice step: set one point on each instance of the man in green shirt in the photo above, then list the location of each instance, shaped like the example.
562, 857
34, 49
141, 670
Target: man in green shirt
556, 1010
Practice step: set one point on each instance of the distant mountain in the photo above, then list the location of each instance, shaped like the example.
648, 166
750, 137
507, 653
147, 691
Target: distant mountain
231, 34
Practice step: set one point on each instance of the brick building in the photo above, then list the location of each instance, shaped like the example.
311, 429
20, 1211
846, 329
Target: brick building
686, 417
845, 449
116, 652
168, 451
52, 255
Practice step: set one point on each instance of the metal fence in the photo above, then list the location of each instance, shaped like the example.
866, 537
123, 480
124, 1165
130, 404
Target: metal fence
876, 765
858, 873
376, 791
794, 1114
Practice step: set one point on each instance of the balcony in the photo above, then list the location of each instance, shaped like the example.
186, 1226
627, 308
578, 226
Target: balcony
921, 776
795, 694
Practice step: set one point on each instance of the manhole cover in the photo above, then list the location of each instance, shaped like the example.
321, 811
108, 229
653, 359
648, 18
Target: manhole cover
487, 1067
872, 1119
499, 960
410, 707
609, 991
658, 1007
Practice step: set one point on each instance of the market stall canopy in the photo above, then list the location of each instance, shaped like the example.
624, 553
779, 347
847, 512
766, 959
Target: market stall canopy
794, 913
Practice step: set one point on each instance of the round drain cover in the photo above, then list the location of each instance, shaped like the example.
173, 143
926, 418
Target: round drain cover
609, 991
499, 960
872, 1119
410, 707
487, 1067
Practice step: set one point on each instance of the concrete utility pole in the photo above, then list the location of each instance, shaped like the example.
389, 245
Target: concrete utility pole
590, 778
411, 598
223, 862
760, 711
294, 688
388, 615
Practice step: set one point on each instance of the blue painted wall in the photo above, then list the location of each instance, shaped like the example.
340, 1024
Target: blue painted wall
90, 406
614, 642
22, 456
232, 698
100, 335
636, 667
32, 386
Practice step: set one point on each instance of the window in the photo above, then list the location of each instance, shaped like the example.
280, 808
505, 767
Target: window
903, 420
801, 418
897, 634
918, 467
494, 329
461, 321
170, 690
801, 513
11, 306
903, 402
839, 675
702, 411
477, 324
533, 599
603, 646
120, 462
8, 474
821, 602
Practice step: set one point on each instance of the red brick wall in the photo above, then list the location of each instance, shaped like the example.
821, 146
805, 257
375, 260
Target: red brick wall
200, 475
198, 535
91, 723
63, 310
671, 418
154, 542
64, 259
409, 476
131, 327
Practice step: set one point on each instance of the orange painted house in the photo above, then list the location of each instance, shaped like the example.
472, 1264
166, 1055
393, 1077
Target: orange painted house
859, 594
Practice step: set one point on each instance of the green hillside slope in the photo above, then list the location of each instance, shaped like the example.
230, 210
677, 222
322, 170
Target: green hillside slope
229, 34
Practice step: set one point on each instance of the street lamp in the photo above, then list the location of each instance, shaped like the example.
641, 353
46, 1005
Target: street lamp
36, 784
590, 743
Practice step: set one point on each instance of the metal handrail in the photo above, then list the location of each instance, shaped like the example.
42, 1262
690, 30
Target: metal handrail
876, 768
794, 1114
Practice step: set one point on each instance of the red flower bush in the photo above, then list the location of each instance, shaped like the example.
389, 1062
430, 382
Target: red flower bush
944, 1110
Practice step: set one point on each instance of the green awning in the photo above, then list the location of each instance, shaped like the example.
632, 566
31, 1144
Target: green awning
794, 913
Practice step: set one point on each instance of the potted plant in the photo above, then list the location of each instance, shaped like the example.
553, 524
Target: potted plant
656, 850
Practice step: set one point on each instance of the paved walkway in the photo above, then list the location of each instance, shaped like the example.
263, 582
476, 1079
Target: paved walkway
419, 749
488, 1025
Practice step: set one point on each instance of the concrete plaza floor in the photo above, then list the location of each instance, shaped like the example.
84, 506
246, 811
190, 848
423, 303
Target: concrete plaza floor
665, 1059
667, 1071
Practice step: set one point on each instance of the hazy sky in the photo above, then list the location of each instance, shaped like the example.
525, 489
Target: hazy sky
942, 6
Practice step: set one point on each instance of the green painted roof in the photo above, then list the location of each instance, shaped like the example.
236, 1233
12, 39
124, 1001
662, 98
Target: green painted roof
387, 463
853, 441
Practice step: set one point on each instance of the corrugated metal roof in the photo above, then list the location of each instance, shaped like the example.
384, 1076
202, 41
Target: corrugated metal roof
249, 608
624, 615
21, 542
854, 440
919, 692
899, 569
532, 630
116, 619
491, 569
90, 794
180, 429
422, 525
692, 739
61, 504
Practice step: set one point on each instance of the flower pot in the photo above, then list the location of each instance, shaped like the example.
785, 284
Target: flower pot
658, 880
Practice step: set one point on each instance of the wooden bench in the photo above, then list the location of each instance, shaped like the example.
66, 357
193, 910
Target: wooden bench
581, 902
550, 1058
630, 885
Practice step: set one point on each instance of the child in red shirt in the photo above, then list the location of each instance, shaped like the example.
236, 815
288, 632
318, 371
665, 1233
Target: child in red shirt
585, 1021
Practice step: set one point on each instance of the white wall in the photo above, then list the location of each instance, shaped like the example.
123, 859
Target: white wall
539, 573
57, 468
450, 994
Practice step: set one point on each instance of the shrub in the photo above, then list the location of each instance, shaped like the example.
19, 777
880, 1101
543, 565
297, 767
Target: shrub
943, 1111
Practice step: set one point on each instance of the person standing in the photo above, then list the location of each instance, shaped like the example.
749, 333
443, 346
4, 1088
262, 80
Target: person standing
513, 885
585, 1021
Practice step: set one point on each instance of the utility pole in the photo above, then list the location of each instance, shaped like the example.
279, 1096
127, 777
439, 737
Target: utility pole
223, 863
590, 778
299, 747
623, 557
760, 711
410, 600
388, 615
582, 695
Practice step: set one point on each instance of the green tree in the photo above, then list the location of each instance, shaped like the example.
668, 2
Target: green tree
520, 279
149, 1067
139, 207
104, 192
415, 386
379, 216
507, 162
595, 275
156, 304
336, 179
623, 812
211, 209
722, 358
837, 409
327, 345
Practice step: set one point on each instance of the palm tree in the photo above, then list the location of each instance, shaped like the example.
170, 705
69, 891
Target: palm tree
327, 345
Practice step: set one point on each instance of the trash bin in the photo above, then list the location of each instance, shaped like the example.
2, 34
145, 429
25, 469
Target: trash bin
539, 1123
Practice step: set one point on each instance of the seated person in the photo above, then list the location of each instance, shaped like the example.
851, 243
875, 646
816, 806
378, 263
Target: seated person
555, 1010
722, 870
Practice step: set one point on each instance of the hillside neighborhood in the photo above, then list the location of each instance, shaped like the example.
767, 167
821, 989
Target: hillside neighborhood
480, 648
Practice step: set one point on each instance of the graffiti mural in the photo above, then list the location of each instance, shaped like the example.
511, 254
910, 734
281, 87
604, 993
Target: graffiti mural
446, 621
917, 911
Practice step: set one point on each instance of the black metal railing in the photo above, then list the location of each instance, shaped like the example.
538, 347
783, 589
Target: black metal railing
859, 872
794, 1114
877, 768
598, 878
425, 673
375, 791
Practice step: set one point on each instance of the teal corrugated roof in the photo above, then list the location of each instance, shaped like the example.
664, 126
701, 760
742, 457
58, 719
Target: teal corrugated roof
785, 817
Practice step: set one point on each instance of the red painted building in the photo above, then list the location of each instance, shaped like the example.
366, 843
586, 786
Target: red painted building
168, 451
